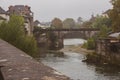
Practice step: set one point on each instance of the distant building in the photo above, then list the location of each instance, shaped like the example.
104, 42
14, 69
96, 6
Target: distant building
45, 25
42, 25
3, 15
106, 13
26, 12
115, 35
37, 23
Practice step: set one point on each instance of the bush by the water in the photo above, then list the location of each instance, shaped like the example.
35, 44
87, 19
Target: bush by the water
90, 44
14, 33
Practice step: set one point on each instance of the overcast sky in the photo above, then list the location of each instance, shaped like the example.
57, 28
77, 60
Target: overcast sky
46, 10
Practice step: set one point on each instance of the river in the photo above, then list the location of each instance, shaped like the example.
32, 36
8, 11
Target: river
71, 65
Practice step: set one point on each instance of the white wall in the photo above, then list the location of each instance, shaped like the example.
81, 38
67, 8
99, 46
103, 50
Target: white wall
5, 16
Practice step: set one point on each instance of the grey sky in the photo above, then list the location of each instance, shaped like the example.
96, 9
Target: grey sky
46, 10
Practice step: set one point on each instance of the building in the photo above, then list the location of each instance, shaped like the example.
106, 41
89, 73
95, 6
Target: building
42, 25
25, 11
37, 23
3, 15
106, 13
111, 44
109, 47
45, 25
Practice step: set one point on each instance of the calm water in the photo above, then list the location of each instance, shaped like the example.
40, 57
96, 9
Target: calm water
70, 64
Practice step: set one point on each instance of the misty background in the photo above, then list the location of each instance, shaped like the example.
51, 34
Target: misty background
46, 10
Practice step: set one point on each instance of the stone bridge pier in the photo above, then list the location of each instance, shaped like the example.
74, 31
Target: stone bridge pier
78, 34
62, 34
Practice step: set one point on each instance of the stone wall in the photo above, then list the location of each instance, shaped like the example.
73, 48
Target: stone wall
17, 65
109, 50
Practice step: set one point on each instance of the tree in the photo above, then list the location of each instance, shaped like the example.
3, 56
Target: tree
69, 23
114, 15
56, 23
14, 33
103, 31
100, 21
86, 24
79, 20
12, 30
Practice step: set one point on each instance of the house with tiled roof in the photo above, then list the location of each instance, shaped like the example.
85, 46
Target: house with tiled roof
3, 15
25, 11
106, 13
37, 23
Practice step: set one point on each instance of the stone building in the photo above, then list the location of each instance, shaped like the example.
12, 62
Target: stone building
37, 23
25, 11
3, 15
109, 47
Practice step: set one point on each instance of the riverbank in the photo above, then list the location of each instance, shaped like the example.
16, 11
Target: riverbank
77, 49
17, 65
78, 69
92, 57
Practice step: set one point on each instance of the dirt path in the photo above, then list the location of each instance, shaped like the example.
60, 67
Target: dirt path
76, 48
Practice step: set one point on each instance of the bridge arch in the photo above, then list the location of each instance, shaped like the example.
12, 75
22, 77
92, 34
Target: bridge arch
83, 33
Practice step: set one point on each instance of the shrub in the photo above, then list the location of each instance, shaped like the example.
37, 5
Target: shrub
13, 32
90, 44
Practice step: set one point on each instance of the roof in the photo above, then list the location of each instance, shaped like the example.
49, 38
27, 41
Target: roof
36, 23
115, 35
2, 11
106, 12
1, 18
19, 7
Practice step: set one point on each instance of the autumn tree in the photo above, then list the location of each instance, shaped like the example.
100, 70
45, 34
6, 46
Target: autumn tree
114, 15
88, 23
69, 23
56, 23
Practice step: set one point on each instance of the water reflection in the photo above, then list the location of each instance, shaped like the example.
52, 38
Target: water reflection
70, 64
52, 54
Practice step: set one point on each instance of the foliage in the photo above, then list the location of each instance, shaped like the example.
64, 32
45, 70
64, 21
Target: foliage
100, 21
79, 20
13, 32
114, 15
90, 44
103, 31
57, 23
79, 23
87, 24
28, 45
69, 23
103, 23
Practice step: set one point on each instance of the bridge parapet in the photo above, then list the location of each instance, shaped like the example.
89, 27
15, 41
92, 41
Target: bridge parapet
63, 29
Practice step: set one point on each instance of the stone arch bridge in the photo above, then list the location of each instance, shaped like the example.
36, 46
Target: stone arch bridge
62, 34
72, 33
